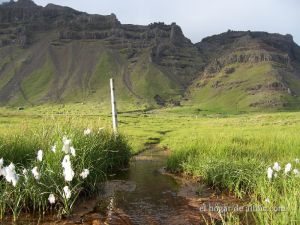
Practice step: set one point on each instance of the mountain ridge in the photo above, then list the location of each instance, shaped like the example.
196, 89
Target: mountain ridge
57, 54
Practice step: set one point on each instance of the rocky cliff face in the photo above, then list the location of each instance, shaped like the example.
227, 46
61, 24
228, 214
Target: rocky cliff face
58, 54
243, 47
252, 69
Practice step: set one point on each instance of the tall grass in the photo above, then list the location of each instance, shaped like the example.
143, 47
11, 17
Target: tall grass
98, 152
234, 154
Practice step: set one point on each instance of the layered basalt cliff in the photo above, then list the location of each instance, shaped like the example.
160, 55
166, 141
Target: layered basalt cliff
58, 54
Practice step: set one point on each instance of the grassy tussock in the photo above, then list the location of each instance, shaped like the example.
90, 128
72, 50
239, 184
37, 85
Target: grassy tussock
99, 152
234, 154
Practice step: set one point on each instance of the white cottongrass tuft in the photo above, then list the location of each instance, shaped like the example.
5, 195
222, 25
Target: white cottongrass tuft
66, 145
85, 173
35, 173
53, 148
276, 167
10, 174
87, 131
288, 168
51, 199
68, 171
270, 173
67, 192
72, 151
39, 155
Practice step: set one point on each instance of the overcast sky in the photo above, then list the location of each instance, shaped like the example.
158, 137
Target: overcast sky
200, 18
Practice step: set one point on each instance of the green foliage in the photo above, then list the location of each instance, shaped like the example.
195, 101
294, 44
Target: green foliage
100, 152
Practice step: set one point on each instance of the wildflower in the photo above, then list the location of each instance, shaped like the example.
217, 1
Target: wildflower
66, 145
67, 192
297, 161
85, 173
40, 155
25, 173
275, 175
66, 162
10, 174
68, 171
72, 151
53, 148
287, 168
35, 173
296, 172
270, 173
51, 199
267, 200
276, 167
87, 131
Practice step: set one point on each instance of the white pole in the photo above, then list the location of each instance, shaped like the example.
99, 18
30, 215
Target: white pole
113, 107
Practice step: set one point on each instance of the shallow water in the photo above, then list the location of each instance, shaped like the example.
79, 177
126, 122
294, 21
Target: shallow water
154, 198
143, 194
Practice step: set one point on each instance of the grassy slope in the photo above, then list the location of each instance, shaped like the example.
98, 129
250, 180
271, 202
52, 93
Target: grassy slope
79, 71
38, 84
149, 81
232, 92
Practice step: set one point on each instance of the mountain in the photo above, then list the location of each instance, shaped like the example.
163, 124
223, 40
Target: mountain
248, 71
55, 54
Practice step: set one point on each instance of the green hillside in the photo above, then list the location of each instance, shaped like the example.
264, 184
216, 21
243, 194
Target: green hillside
53, 54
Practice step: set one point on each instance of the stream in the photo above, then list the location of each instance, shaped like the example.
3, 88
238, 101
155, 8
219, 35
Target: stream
144, 194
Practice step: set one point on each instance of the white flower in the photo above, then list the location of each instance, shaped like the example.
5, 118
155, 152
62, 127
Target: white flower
297, 161
296, 172
87, 131
10, 174
53, 148
25, 173
66, 162
68, 174
67, 192
85, 173
276, 167
287, 168
68, 171
51, 199
270, 173
267, 200
35, 173
275, 175
66, 145
40, 155
72, 151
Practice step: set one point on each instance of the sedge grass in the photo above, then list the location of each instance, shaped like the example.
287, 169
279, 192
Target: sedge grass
99, 152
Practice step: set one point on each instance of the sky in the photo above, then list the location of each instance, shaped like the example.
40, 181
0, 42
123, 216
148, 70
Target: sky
199, 18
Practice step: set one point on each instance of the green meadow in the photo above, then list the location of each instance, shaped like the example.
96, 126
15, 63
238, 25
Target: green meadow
230, 153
